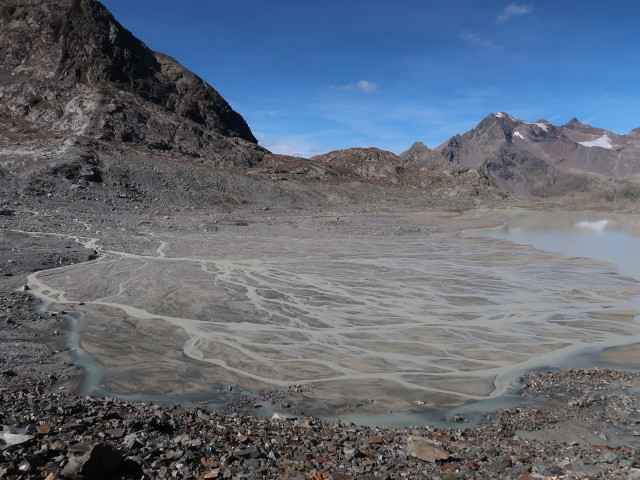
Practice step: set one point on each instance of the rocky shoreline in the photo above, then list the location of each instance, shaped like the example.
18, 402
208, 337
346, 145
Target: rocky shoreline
59, 435
49, 432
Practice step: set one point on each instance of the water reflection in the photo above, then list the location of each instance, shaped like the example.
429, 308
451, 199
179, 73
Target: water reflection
613, 238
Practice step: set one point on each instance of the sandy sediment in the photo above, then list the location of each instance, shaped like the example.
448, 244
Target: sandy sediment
383, 313
150, 315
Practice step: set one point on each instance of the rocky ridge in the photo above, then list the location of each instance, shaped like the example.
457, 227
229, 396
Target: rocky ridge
540, 160
89, 114
84, 104
69, 68
420, 154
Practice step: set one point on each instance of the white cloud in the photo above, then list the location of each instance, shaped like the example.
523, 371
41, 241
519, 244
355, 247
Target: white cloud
367, 87
512, 10
475, 39
293, 146
363, 86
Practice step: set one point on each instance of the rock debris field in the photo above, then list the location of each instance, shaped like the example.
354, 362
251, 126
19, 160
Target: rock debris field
59, 435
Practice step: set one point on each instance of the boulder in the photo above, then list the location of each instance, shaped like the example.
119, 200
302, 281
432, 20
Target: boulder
98, 463
425, 449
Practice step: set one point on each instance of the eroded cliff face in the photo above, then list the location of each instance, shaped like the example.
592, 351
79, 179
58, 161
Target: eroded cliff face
68, 67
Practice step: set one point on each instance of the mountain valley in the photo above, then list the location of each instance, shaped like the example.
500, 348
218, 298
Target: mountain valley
153, 251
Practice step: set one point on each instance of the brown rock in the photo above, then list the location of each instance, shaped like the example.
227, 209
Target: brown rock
116, 432
43, 429
209, 463
374, 439
425, 449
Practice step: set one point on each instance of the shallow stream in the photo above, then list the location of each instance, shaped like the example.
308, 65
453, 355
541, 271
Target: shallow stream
362, 322
611, 238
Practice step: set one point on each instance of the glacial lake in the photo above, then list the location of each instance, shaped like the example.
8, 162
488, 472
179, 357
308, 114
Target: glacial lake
611, 238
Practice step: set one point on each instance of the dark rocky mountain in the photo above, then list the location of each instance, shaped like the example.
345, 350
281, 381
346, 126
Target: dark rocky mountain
542, 160
420, 154
67, 67
363, 162
89, 113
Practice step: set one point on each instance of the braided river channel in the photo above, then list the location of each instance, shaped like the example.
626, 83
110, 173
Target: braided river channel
394, 330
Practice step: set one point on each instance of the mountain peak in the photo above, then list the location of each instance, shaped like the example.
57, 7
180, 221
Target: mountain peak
542, 160
420, 154
573, 122
103, 78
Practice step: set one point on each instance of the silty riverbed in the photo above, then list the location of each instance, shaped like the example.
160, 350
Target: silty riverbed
379, 329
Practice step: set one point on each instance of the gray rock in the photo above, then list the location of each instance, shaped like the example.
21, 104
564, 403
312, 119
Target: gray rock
251, 452
130, 442
15, 438
98, 463
425, 449
607, 456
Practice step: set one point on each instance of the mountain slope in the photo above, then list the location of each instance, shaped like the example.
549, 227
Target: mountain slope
89, 114
68, 67
420, 154
542, 160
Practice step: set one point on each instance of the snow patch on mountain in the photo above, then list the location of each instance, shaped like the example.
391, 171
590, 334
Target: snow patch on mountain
602, 142
518, 134
542, 126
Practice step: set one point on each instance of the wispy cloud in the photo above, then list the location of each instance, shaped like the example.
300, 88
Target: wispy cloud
293, 146
363, 86
514, 9
367, 87
478, 41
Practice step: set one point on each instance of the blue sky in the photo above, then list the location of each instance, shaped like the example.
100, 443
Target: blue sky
311, 76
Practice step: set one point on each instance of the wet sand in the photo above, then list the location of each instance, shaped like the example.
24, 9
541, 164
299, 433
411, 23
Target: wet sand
370, 314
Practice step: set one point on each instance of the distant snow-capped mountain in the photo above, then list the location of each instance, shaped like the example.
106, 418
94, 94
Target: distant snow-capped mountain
539, 159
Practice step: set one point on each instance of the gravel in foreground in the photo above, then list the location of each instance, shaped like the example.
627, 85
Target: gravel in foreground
60, 435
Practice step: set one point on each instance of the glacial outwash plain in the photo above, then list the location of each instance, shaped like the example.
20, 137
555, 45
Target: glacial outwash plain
176, 301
